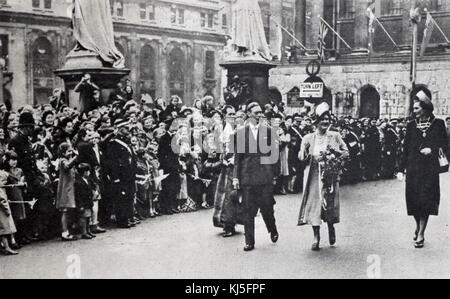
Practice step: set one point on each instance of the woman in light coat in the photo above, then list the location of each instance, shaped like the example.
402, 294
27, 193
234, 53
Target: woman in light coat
314, 208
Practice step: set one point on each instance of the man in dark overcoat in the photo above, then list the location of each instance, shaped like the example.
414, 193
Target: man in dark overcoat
255, 171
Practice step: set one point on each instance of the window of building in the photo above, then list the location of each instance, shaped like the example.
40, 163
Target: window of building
347, 9
180, 16
42, 61
3, 2
4, 49
210, 62
224, 21
206, 20
36, 3
435, 5
176, 15
147, 70
151, 12
210, 20
391, 7
119, 9
176, 68
202, 19
116, 8
143, 11
48, 4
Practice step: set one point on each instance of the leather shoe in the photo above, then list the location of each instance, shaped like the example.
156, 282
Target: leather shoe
315, 247
248, 248
274, 237
123, 225
228, 234
98, 230
86, 237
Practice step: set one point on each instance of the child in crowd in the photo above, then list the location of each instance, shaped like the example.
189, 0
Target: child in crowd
18, 208
7, 226
84, 198
45, 205
65, 199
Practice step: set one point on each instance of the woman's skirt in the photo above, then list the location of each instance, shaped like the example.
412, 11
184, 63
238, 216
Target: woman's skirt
7, 226
311, 211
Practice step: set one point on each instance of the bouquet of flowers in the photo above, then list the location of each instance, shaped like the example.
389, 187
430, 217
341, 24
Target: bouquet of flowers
331, 165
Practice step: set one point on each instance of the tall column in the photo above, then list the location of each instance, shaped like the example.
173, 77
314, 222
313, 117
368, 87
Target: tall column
300, 20
361, 28
314, 9
407, 29
276, 16
162, 74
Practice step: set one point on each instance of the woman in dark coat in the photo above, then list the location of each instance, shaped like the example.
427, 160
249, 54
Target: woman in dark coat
424, 138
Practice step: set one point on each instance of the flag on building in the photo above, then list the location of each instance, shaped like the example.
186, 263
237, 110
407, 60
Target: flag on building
428, 32
323, 32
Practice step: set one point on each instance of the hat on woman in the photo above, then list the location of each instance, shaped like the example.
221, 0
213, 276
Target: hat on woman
321, 111
422, 97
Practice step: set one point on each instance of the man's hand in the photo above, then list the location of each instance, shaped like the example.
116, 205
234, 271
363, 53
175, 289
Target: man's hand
236, 184
401, 176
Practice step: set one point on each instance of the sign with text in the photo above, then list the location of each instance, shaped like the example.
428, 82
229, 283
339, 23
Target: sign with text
311, 90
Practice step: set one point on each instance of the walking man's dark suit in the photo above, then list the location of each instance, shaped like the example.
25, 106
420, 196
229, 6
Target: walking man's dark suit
256, 166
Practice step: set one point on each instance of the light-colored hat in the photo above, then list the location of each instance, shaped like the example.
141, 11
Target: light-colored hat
422, 96
322, 109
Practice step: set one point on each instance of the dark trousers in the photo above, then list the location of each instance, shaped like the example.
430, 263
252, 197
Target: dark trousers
123, 203
169, 193
258, 198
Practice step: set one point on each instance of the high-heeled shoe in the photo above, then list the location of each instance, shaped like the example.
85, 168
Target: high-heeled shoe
416, 235
332, 237
419, 244
316, 246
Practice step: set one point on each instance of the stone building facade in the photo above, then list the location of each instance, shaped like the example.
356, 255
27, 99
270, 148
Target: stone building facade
171, 46
368, 81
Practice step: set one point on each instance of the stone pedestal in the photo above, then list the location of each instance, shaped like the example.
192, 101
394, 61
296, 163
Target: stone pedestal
79, 63
253, 71
362, 29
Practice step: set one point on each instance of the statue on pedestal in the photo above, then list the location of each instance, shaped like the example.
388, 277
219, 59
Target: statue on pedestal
247, 33
93, 30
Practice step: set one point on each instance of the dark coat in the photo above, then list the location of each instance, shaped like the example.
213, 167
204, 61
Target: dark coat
87, 155
166, 155
254, 165
22, 146
422, 172
84, 193
122, 166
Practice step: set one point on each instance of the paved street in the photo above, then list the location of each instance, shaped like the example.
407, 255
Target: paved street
374, 227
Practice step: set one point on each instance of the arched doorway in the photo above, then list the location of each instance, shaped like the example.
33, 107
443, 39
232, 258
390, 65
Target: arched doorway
370, 102
292, 97
42, 70
176, 72
275, 95
147, 71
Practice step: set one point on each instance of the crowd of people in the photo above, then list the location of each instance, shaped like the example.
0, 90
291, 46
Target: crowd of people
70, 173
